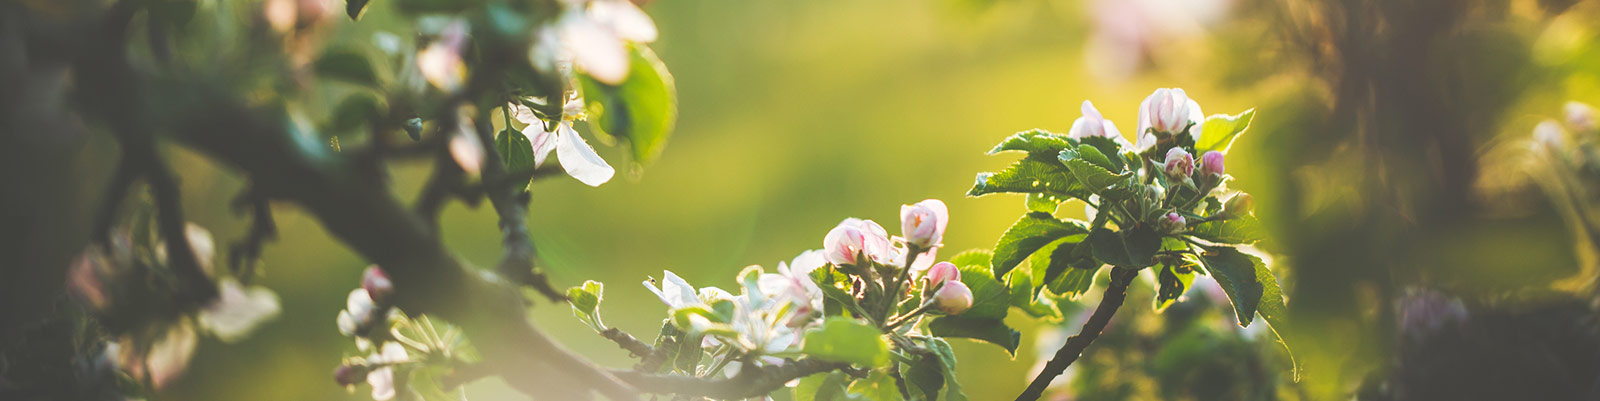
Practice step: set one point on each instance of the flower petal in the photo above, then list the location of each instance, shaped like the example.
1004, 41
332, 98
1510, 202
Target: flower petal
238, 310
626, 19
599, 52
543, 141
579, 159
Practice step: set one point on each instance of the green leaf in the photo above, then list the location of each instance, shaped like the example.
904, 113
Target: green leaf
353, 8
689, 352
1030, 176
1251, 287
348, 65
877, 386
924, 376
825, 386
1031, 232
846, 340
947, 359
642, 109
1219, 131
514, 149
424, 381
1074, 283
1033, 141
972, 257
1171, 282
1091, 177
1110, 149
585, 301
1092, 155
1129, 248
990, 330
1043, 203
1235, 230
1025, 297
990, 299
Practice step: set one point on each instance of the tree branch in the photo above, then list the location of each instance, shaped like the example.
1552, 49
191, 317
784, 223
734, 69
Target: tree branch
750, 382
638, 348
1121, 277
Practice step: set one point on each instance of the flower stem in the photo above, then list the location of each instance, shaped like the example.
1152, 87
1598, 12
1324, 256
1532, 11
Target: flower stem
1121, 277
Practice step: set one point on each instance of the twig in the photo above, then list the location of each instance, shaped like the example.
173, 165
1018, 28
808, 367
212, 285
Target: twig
1121, 277
750, 382
638, 348
242, 255
510, 201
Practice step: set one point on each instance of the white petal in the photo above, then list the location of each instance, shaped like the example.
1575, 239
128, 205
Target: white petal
599, 52
523, 114
677, 291
238, 310
626, 19
200, 243
169, 356
382, 382
359, 303
467, 151
579, 159
807, 261
543, 141
442, 66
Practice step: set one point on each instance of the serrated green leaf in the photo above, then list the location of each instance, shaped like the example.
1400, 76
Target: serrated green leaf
1065, 268
1028, 176
846, 340
972, 257
348, 65
642, 109
1236, 230
1110, 148
585, 301
1251, 287
1129, 248
1171, 282
1034, 141
990, 330
1025, 297
1219, 131
1031, 232
1043, 203
1092, 155
825, 386
1074, 283
1091, 177
990, 298
947, 359
924, 376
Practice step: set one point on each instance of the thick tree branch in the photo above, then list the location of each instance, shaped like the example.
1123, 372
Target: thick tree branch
359, 211
638, 348
1121, 277
750, 382
510, 201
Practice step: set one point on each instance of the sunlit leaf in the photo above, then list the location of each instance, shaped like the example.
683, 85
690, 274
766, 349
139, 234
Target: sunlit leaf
642, 109
990, 330
1219, 131
846, 340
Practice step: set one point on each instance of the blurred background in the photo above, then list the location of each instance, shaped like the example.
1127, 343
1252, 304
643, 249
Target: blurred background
1427, 248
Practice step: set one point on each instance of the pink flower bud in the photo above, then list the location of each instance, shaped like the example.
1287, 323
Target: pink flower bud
1173, 223
953, 298
1092, 124
942, 273
923, 223
1168, 112
377, 284
1211, 164
350, 375
853, 237
1179, 164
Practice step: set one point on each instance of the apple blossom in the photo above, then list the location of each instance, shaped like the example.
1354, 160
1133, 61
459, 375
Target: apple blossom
1179, 165
954, 298
440, 63
923, 224
1581, 117
854, 237
382, 378
1093, 124
578, 159
1172, 223
1239, 205
1168, 111
594, 36
792, 282
237, 310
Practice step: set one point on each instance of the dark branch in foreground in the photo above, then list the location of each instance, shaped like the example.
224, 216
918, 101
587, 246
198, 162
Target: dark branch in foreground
750, 382
1069, 352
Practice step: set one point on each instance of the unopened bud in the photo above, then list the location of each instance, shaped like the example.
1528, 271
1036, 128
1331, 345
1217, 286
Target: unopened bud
1239, 205
1211, 165
377, 284
1179, 165
943, 272
923, 223
350, 375
953, 298
1172, 223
